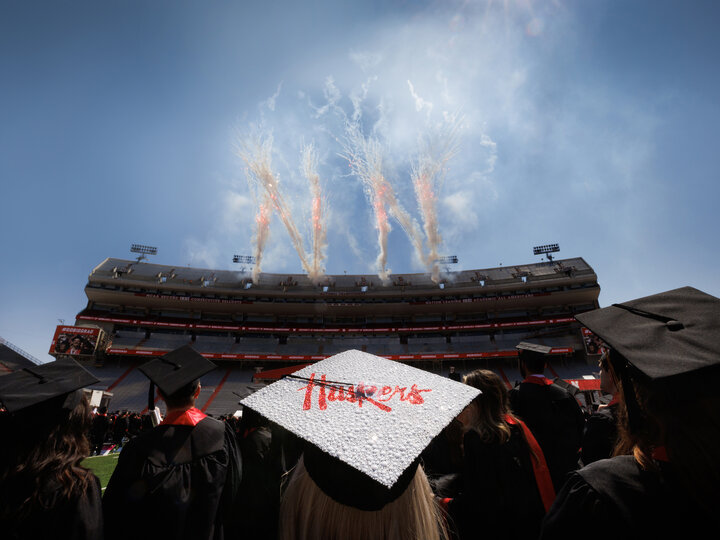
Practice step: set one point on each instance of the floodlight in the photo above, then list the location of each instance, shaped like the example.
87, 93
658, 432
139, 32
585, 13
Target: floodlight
143, 250
546, 250
445, 261
549, 248
146, 250
246, 259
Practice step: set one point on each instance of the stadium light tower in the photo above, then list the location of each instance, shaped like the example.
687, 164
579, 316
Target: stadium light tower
446, 260
243, 259
546, 250
143, 250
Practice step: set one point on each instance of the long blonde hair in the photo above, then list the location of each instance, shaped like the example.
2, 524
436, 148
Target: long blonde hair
307, 513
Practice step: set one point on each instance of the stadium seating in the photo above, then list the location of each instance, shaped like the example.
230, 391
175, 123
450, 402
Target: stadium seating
474, 320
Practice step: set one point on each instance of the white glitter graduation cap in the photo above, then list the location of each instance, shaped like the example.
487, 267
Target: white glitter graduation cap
373, 414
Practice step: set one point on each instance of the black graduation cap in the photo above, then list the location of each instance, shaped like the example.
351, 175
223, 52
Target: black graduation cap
175, 370
533, 347
667, 338
364, 421
34, 385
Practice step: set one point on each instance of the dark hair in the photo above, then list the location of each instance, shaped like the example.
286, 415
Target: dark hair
534, 362
183, 397
43, 447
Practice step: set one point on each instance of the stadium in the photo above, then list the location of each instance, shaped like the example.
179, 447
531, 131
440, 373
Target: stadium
258, 330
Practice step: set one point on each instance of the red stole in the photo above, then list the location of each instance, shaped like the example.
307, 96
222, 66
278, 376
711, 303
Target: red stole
540, 468
659, 453
189, 417
537, 379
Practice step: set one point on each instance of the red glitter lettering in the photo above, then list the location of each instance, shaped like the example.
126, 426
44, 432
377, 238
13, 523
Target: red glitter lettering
358, 394
414, 396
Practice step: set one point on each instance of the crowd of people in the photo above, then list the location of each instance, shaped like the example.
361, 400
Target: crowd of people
521, 463
110, 430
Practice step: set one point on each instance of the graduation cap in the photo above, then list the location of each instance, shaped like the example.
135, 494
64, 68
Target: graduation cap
38, 384
174, 371
533, 347
667, 338
533, 355
365, 421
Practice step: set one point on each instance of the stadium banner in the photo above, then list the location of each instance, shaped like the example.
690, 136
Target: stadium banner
74, 340
321, 330
318, 357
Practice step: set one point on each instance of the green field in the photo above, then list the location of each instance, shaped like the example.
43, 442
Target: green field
102, 466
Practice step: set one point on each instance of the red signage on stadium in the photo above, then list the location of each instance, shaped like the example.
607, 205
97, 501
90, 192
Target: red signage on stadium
321, 330
316, 357
74, 340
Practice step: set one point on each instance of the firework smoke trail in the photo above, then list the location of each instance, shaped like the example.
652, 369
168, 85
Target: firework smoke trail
319, 228
365, 158
257, 157
366, 163
262, 232
427, 175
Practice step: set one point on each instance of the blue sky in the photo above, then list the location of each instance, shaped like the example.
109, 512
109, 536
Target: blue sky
592, 124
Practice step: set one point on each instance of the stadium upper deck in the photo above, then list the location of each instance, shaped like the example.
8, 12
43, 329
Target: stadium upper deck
148, 309
283, 321
566, 285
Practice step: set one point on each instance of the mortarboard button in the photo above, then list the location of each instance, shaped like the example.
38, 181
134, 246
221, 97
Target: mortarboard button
674, 325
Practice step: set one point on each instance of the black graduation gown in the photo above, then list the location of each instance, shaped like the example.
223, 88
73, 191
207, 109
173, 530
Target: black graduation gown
615, 498
100, 424
175, 482
557, 422
499, 497
259, 500
79, 518
600, 435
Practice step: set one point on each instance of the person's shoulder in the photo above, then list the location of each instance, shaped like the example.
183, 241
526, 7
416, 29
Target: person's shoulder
144, 443
615, 477
558, 392
211, 425
209, 435
606, 415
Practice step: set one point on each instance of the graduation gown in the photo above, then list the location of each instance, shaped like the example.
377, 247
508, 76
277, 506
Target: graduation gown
600, 434
556, 421
79, 518
615, 498
259, 500
499, 497
175, 482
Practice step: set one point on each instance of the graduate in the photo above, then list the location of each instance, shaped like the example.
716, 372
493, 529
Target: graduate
600, 435
550, 411
180, 479
44, 491
665, 355
506, 485
364, 421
